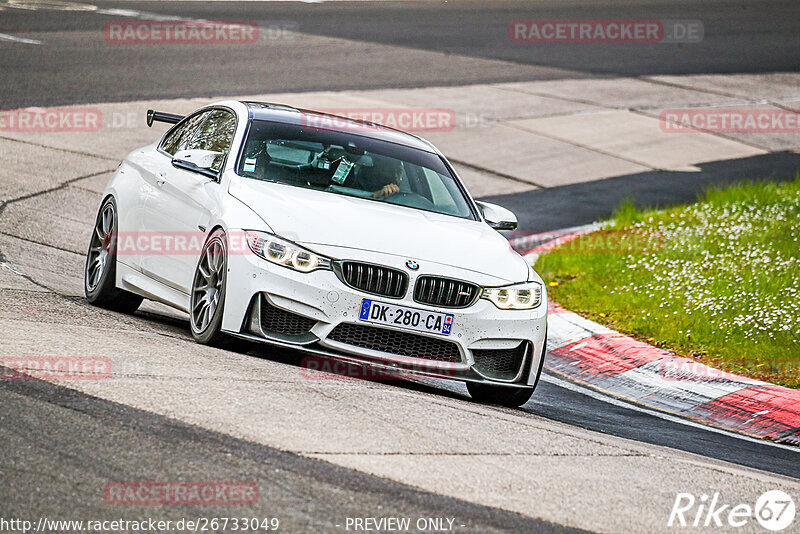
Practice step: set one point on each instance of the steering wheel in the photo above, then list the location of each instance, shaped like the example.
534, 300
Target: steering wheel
412, 200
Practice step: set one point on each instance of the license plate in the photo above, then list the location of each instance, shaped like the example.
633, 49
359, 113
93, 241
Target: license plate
410, 318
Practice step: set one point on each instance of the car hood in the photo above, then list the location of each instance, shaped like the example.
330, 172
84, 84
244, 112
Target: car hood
312, 217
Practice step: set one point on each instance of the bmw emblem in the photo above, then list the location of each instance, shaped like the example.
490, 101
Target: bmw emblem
411, 264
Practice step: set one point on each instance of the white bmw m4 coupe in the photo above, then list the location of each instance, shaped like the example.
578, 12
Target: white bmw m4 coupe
341, 238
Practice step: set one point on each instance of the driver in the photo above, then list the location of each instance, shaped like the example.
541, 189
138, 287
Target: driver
383, 178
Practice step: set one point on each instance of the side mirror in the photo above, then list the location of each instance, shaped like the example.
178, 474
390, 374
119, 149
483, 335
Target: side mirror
199, 161
498, 217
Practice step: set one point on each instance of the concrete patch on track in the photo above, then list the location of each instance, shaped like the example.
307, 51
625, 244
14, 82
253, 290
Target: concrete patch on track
29, 168
619, 93
762, 140
766, 86
637, 139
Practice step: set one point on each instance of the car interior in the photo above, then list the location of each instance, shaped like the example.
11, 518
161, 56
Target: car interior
348, 170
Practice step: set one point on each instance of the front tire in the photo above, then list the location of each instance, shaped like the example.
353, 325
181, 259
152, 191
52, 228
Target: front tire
208, 291
512, 397
100, 273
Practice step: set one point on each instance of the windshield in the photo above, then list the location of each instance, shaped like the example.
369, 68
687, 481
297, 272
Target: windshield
353, 165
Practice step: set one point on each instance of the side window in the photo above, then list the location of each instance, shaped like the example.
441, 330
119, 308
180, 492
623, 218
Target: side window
216, 134
180, 136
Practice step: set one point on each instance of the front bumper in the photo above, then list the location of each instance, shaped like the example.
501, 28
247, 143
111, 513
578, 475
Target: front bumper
478, 330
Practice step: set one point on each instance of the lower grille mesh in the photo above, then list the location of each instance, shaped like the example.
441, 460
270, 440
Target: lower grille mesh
277, 321
502, 364
394, 342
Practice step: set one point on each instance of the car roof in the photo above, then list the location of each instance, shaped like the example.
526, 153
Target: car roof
287, 114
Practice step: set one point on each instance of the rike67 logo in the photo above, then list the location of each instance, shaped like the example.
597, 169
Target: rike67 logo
774, 510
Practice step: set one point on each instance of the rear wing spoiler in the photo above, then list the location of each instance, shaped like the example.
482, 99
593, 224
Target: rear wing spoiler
160, 116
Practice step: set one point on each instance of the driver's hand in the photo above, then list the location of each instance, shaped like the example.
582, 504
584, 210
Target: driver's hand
386, 191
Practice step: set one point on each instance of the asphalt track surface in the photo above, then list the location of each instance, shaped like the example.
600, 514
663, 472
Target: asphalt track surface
389, 44
80, 427
78, 71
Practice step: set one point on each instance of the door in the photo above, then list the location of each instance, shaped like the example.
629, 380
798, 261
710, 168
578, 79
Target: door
180, 208
147, 169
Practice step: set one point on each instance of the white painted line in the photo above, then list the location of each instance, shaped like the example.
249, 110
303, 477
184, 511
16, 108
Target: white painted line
652, 378
6, 37
5, 265
579, 346
568, 327
48, 5
119, 12
661, 415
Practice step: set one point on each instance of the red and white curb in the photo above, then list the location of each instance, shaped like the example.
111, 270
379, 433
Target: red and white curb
593, 355
532, 245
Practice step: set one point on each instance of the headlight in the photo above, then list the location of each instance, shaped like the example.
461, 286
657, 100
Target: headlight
523, 296
283, 252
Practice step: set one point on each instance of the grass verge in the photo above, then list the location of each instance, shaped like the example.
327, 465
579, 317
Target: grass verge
717, 281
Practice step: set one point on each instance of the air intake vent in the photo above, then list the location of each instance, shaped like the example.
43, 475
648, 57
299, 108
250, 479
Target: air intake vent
445, 292
503, 364
375, 279
277, 321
